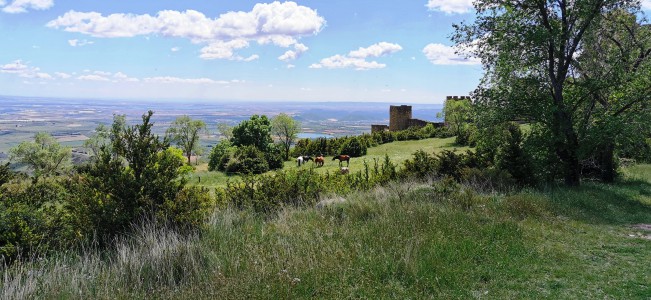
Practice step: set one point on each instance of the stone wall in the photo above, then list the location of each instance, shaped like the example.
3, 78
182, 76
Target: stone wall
379, 128
399, 117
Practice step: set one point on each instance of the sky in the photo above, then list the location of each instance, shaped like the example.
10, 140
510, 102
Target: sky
336, 50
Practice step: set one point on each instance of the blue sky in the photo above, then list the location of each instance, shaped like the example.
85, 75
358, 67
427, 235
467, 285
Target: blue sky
388, 51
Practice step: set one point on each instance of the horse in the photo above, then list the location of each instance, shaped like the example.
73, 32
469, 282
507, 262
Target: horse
342, 158
319, 161
344, 171
303, 159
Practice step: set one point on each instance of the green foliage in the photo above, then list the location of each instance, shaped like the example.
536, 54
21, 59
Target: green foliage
253, 132
578, 71
6, 173
35, 217
184, 132
141, 176
268, 193
247, 160
189, 209
99, 139
355, 147
510, 156
422, 165
224, 147
45, 156
286, 129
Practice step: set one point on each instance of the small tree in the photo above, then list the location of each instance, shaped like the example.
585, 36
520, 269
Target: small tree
184, 132
44, 156
99, 139
286, 129
225, 130
253, 132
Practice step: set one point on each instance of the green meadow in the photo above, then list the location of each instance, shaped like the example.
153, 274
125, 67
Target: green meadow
405, 240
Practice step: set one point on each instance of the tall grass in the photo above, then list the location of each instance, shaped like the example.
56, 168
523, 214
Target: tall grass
403, 240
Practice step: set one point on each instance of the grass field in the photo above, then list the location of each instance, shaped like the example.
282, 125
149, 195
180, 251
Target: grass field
559, 243
397, 151
405, 240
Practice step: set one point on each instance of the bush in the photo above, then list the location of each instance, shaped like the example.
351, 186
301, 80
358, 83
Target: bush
422, 165
247, 160
215, 158
190, 208
275, 157
354, 147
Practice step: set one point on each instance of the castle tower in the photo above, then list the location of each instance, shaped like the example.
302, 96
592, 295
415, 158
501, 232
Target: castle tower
399, 117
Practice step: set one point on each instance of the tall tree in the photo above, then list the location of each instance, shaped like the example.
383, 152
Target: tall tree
614, 85
44, 156
286, 129
184, 132
528, 49
253, 132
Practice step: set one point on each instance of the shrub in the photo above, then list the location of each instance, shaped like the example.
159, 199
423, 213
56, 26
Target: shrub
216, 154
247, 160
422, 165
189, 209
354, 147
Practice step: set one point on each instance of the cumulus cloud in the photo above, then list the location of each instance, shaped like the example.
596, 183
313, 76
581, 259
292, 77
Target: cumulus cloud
78, 43
23, 70
93, 77
223, 50
440, 54
21, 6
290, 55
376, 50
281, 24
357, 59
119, 76
450, 6
62, 75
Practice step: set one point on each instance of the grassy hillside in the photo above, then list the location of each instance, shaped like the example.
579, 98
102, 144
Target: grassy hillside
405, 240
397, 151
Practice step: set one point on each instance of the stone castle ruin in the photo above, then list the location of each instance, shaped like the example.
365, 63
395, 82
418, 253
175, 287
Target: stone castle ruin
400, 118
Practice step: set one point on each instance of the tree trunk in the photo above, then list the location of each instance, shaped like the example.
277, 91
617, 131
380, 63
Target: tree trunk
566, 145
189, 161
606, 156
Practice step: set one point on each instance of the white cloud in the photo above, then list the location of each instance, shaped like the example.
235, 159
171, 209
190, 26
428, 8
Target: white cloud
223, 50
78, 43
357, 59
119, 76
440, 54
290, 66
62, 75
19, 68
93, 78
290, 55
102, 73
175, 49
281, 24
646, 4
450, 6
376, 50
170, 79
15, 67
21, 6
342, 62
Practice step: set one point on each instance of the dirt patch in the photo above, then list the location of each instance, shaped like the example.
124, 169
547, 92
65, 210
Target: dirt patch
645, 234
645, 227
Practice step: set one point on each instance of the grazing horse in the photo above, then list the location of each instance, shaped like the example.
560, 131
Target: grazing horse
303, 159
319, 161
344, 171
342, 158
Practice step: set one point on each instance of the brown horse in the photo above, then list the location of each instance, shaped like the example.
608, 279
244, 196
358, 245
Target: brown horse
319, 161
342, 158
